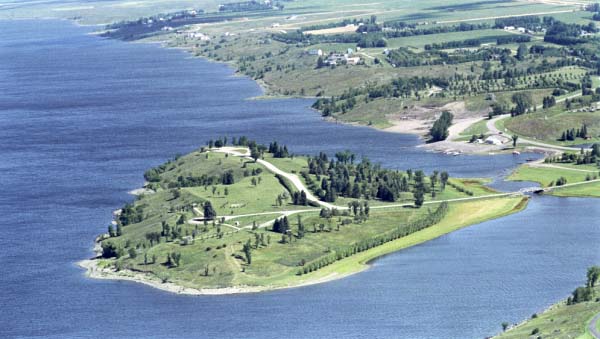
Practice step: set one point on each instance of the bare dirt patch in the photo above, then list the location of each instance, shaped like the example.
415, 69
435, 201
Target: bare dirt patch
335, 30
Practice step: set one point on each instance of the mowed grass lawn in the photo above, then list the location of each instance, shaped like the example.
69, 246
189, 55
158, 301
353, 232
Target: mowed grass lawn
589, 190
243, 197
546, 175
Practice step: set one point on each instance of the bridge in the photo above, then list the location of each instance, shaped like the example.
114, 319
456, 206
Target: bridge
529, 190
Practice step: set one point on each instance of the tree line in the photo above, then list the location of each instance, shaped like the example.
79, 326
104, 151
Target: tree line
430, 219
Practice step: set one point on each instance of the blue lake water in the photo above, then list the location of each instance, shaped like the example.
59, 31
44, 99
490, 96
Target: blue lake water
81, 118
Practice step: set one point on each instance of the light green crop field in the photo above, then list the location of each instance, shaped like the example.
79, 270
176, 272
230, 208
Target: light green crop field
98, 12
418, 42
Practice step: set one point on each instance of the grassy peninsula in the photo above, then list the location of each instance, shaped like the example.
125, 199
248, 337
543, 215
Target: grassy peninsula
246, 217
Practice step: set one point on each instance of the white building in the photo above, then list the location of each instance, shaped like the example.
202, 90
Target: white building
493, 140
352, 60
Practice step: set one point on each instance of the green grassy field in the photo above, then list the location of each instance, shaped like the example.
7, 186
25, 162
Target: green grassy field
548, 126
591, 190
215, 258
546, 176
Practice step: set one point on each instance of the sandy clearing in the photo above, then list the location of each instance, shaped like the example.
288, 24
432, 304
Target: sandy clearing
335, 30
410, 126
460, 126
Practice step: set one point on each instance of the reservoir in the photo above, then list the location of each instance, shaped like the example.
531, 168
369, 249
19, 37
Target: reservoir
81, 118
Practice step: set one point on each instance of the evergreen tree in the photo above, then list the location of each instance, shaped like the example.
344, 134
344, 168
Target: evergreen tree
209, 211
248, 252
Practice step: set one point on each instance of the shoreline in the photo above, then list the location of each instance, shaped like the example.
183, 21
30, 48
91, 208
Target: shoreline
418, 127
338, 270
94, 272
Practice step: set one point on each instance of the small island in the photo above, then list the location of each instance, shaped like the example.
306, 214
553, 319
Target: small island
243, 217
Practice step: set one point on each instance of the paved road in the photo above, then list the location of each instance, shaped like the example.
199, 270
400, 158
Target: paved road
593, 327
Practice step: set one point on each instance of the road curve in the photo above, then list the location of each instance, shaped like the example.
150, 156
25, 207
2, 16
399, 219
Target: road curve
593, 326
491, 126
274, 169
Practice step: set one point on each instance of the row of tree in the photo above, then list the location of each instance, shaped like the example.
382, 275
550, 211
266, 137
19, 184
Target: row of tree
572, 134
432, 218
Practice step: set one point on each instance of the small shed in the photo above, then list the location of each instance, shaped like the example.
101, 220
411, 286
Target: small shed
187, 240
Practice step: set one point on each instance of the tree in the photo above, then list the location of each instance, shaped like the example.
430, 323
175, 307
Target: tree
439, 130
419, 198
504, 326
209, 211
523, 102
281, 225
444, 179
153, 237
515, 138
111, 231
522, 52
301, 230
582, 294
254, 153
110, 250
593, 274
248, 252
132, 253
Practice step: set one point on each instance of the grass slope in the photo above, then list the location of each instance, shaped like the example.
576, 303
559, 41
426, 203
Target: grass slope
559, 321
